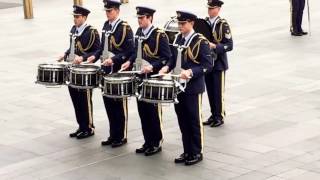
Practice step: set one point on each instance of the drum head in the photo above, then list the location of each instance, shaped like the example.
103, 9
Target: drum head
201, 26
118, 77
158, 82
52, 66
85, 68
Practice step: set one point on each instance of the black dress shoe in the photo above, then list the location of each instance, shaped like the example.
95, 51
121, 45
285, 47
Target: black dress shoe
85, 134
303, 33
217, 123
152, 150
107, 142
74, 134
181, 159
193, 159
118, 143
209, 121
296, 34
142, 149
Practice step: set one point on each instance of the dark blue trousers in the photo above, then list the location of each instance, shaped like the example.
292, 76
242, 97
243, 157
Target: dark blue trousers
188, 111
117, 111
82, 103
151, 122
297, 7
215, 84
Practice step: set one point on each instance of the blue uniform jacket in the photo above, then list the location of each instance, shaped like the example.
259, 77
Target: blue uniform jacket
196, 57
121, 44
87, 44
223, 39
156, 49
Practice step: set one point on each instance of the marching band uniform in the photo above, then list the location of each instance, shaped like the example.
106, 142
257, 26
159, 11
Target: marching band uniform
197, 58
121, 44
156, 51
215, 80
87, 43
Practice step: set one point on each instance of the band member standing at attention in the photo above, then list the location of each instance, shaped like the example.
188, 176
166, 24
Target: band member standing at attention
156, 52
86, 42
215, 80
121, 44
297, 7
196, 60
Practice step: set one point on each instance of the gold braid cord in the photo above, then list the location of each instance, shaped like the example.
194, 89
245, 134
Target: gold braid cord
218, 38
113, 40
147, 50
194, 52
91, 42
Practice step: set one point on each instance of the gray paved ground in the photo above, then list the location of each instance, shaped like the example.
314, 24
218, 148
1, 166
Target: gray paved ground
272, 129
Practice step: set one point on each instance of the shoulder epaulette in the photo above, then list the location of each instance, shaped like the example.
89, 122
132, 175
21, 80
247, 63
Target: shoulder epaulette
125, 23
160, 31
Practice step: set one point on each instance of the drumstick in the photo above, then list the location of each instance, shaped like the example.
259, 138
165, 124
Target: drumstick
121, 70
130, 72
172, 75
157, 75
84, 63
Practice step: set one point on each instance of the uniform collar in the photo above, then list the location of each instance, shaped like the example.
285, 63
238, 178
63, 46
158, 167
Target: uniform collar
147, 30
114, 22
188, 36
80, 29
213, 19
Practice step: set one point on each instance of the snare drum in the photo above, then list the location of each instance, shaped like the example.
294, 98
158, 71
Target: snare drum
84, 76
158, 91
119, 85
51, 74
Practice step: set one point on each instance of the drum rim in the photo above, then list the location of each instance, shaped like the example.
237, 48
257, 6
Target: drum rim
84, 68
156, 101
108, 78
119, 82
117, 97
158, 82
83, 72
84, 65
50, 84
54, 66
83, 87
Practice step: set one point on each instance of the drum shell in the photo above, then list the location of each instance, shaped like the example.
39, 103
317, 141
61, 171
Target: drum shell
51, 74
158, 91
119, 86
84, 76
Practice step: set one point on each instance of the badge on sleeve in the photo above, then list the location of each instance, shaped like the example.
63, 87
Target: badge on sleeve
228, 34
